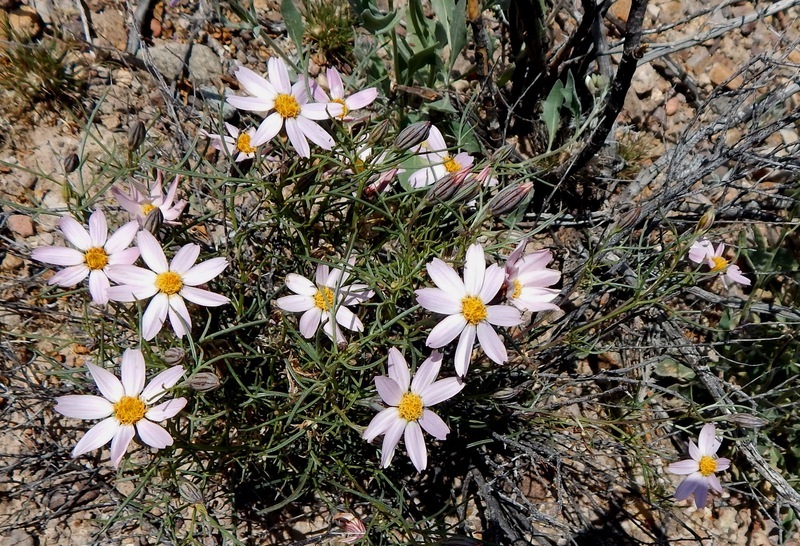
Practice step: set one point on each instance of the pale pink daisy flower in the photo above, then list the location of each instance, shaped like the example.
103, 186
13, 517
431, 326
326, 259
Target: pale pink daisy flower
95, 253
408, 413
318, 301
527, 279
703, 251
168, 284
467, 305
290, 105
356, 101
701, 467
434, 151
240, 142
142, 200
126, 407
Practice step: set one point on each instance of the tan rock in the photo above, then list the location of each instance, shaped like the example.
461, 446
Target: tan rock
722, 71
20, 225
11, 262
672, 105
620, 9
24, 22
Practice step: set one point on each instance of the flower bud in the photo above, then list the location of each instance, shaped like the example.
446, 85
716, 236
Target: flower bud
447, 186
629, 219
190, 493
411, 136
71, 163
705, 222
510, 198
379, 184
468, 190
379, 132
204, 381
174, 356
136, 135
746, 420
352, 527
154, 220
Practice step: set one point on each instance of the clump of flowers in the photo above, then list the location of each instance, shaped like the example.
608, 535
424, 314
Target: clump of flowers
408, 413
701, 467
434, 152
126, 407
291, 108
328, 298
167, 284
142, 200
528, 279
467, 306
93, 254
703, 252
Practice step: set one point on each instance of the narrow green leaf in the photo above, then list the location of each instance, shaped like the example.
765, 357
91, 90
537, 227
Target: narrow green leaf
294, 22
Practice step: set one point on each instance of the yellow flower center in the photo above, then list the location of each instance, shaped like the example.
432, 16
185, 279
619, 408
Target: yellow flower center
324, 298
410, 407
451, 165
243, 144
345, 109
129, 410
708, 465
473, 310
517, 289
147, 208
720, 263
287, 106
96, 258
360, 166
169, 282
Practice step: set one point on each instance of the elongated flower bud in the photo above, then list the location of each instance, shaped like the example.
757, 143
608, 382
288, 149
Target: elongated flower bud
204, 381
706, 221
630, 218
509, 198
447, 186
174, 356
414, 134
71, 163
154, 220
136, 135
380, 183
379, 132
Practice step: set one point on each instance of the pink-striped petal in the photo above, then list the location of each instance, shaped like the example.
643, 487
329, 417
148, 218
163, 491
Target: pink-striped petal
184, 259
347, 319
179, 316
390, 440
296, 137
157, 387
335, 83
300, 285
98, 287
250, 104
120, 442
315, 133
97, 436
361, 99
154, 316
295, 303
58, 255
83, 406
75, 233
380, 423
270, 127
706, 441
203, 297
98, 228
398, 369
503, 315
491, 343
687, 466
446, 278
70, 276
441, 390
446, 331
152, 253
389, 390
309, 322
415, 445
204, 271
253, 83
166, 410
438, 301
723, 464
433, 425
688, 486
279, 75
153, 435
132, 370
426, 373
107, 383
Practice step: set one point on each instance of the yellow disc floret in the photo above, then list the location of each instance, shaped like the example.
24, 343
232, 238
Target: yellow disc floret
410, 407
345, 109
517, 289
169, 282
243, 144
473, 310
324, 298
720, 263
450, 164
147, 208
708, 465
287, 106
129, 410
96, 258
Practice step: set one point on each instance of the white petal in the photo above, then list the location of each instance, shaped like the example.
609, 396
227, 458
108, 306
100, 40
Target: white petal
491, 343
707, 440
70, 276
153, 435
98, 228
279, 75
503, 315
295, 303
300, 285
415, 445
84, 406
687, 466
380, 423
58, 255
251, 104
179, 316
688, 486
107, 383
132, 275
97, 436
474, 269
309, 322
166, 410
184, 259
160, 383
321, 111
361, 98
398, 369
154, 316
393, 434
438, 301
442, 390
446, 278
98, 287
204, 272
75, 233
132, 371
119, 443
433, 425
446, 331
268, 129
254, 83
464, 350
347, 319
203, 297
389, 390
124, 257
152, 253
426, 373
315, 133
297, 138
493, 279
